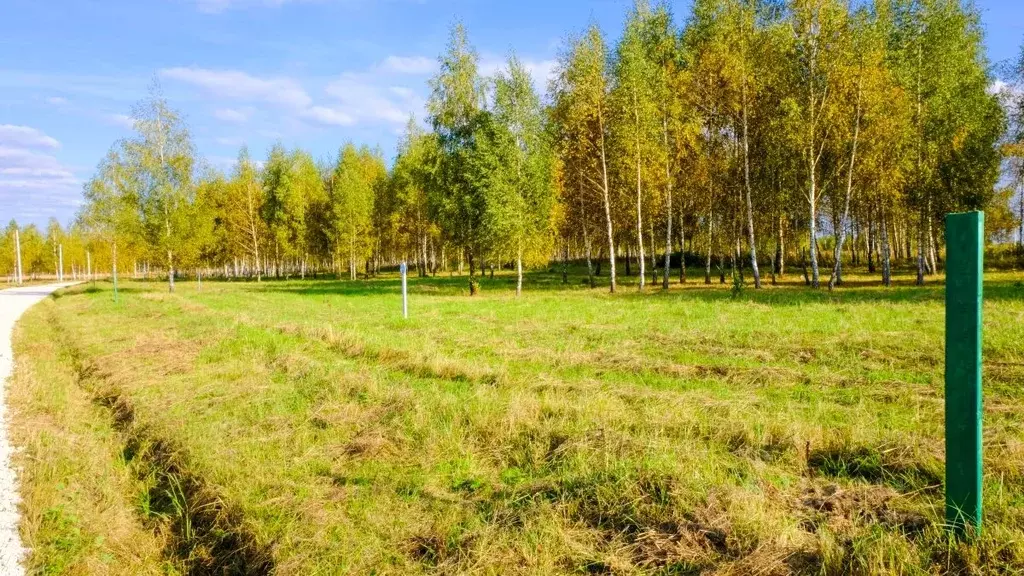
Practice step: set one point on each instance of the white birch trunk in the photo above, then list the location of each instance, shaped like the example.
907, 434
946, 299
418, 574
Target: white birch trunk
113, 247
838, 255
17, 251
746, 186
170, 271
519, 270
668, 204
607, 207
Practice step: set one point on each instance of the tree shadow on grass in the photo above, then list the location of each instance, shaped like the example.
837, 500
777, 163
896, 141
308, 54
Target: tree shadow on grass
791, 290
790, 293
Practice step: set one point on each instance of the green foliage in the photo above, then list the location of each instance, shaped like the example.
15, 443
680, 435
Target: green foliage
520, 194
284, 204
455, 111
739, 285
161, 162
354, 183
756, 128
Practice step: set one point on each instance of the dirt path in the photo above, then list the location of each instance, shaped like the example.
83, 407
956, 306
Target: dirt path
13, 303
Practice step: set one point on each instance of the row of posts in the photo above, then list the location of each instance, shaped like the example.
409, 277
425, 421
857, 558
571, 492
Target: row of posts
19, 274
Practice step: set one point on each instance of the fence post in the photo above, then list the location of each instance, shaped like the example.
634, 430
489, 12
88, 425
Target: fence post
965, 248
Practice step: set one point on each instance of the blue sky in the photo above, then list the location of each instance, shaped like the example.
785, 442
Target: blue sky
313, 73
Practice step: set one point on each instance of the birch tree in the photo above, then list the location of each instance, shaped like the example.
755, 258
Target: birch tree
817, 27
284, 207
580, 92
411, 177
243, 211
162, 156
112, 209
354, 180
636, 117
665, 55
519, 214
454, 107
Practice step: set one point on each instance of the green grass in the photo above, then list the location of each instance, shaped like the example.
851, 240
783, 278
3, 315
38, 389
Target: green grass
305, 428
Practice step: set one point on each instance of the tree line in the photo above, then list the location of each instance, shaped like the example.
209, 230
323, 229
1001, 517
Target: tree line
756, 136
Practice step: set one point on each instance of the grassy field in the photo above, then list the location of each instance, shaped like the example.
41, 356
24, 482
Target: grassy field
304, 428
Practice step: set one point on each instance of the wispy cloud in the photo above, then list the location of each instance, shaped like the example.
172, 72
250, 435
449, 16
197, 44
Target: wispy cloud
218, 6
25, 137
1009, 94
33, 182
27, 163
233, 115
122, 120
361, 96
408, 65
329, 116
240, 85
57, 100
351, 98
229, 141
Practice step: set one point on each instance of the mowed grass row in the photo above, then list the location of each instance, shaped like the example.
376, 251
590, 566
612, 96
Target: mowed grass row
305, 428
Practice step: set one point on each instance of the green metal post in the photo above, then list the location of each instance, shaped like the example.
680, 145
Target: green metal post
965, 246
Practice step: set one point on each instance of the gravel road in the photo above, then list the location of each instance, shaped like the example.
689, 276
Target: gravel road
13, 303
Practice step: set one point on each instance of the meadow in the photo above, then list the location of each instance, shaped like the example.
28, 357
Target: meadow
304, 427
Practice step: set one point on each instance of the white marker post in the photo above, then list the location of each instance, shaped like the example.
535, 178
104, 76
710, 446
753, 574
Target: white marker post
405, 293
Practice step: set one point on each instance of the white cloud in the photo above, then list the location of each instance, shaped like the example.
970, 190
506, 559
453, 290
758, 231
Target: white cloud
1005, 89
329, 116
213, 6
1009, 94
403, 92
233, 115
238, 85
361, 98
122, 120
542, 71
229, 141
408, 65
33, 184
223, 162
25, 136
57, 100
218, 6
21, 162
352, 98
